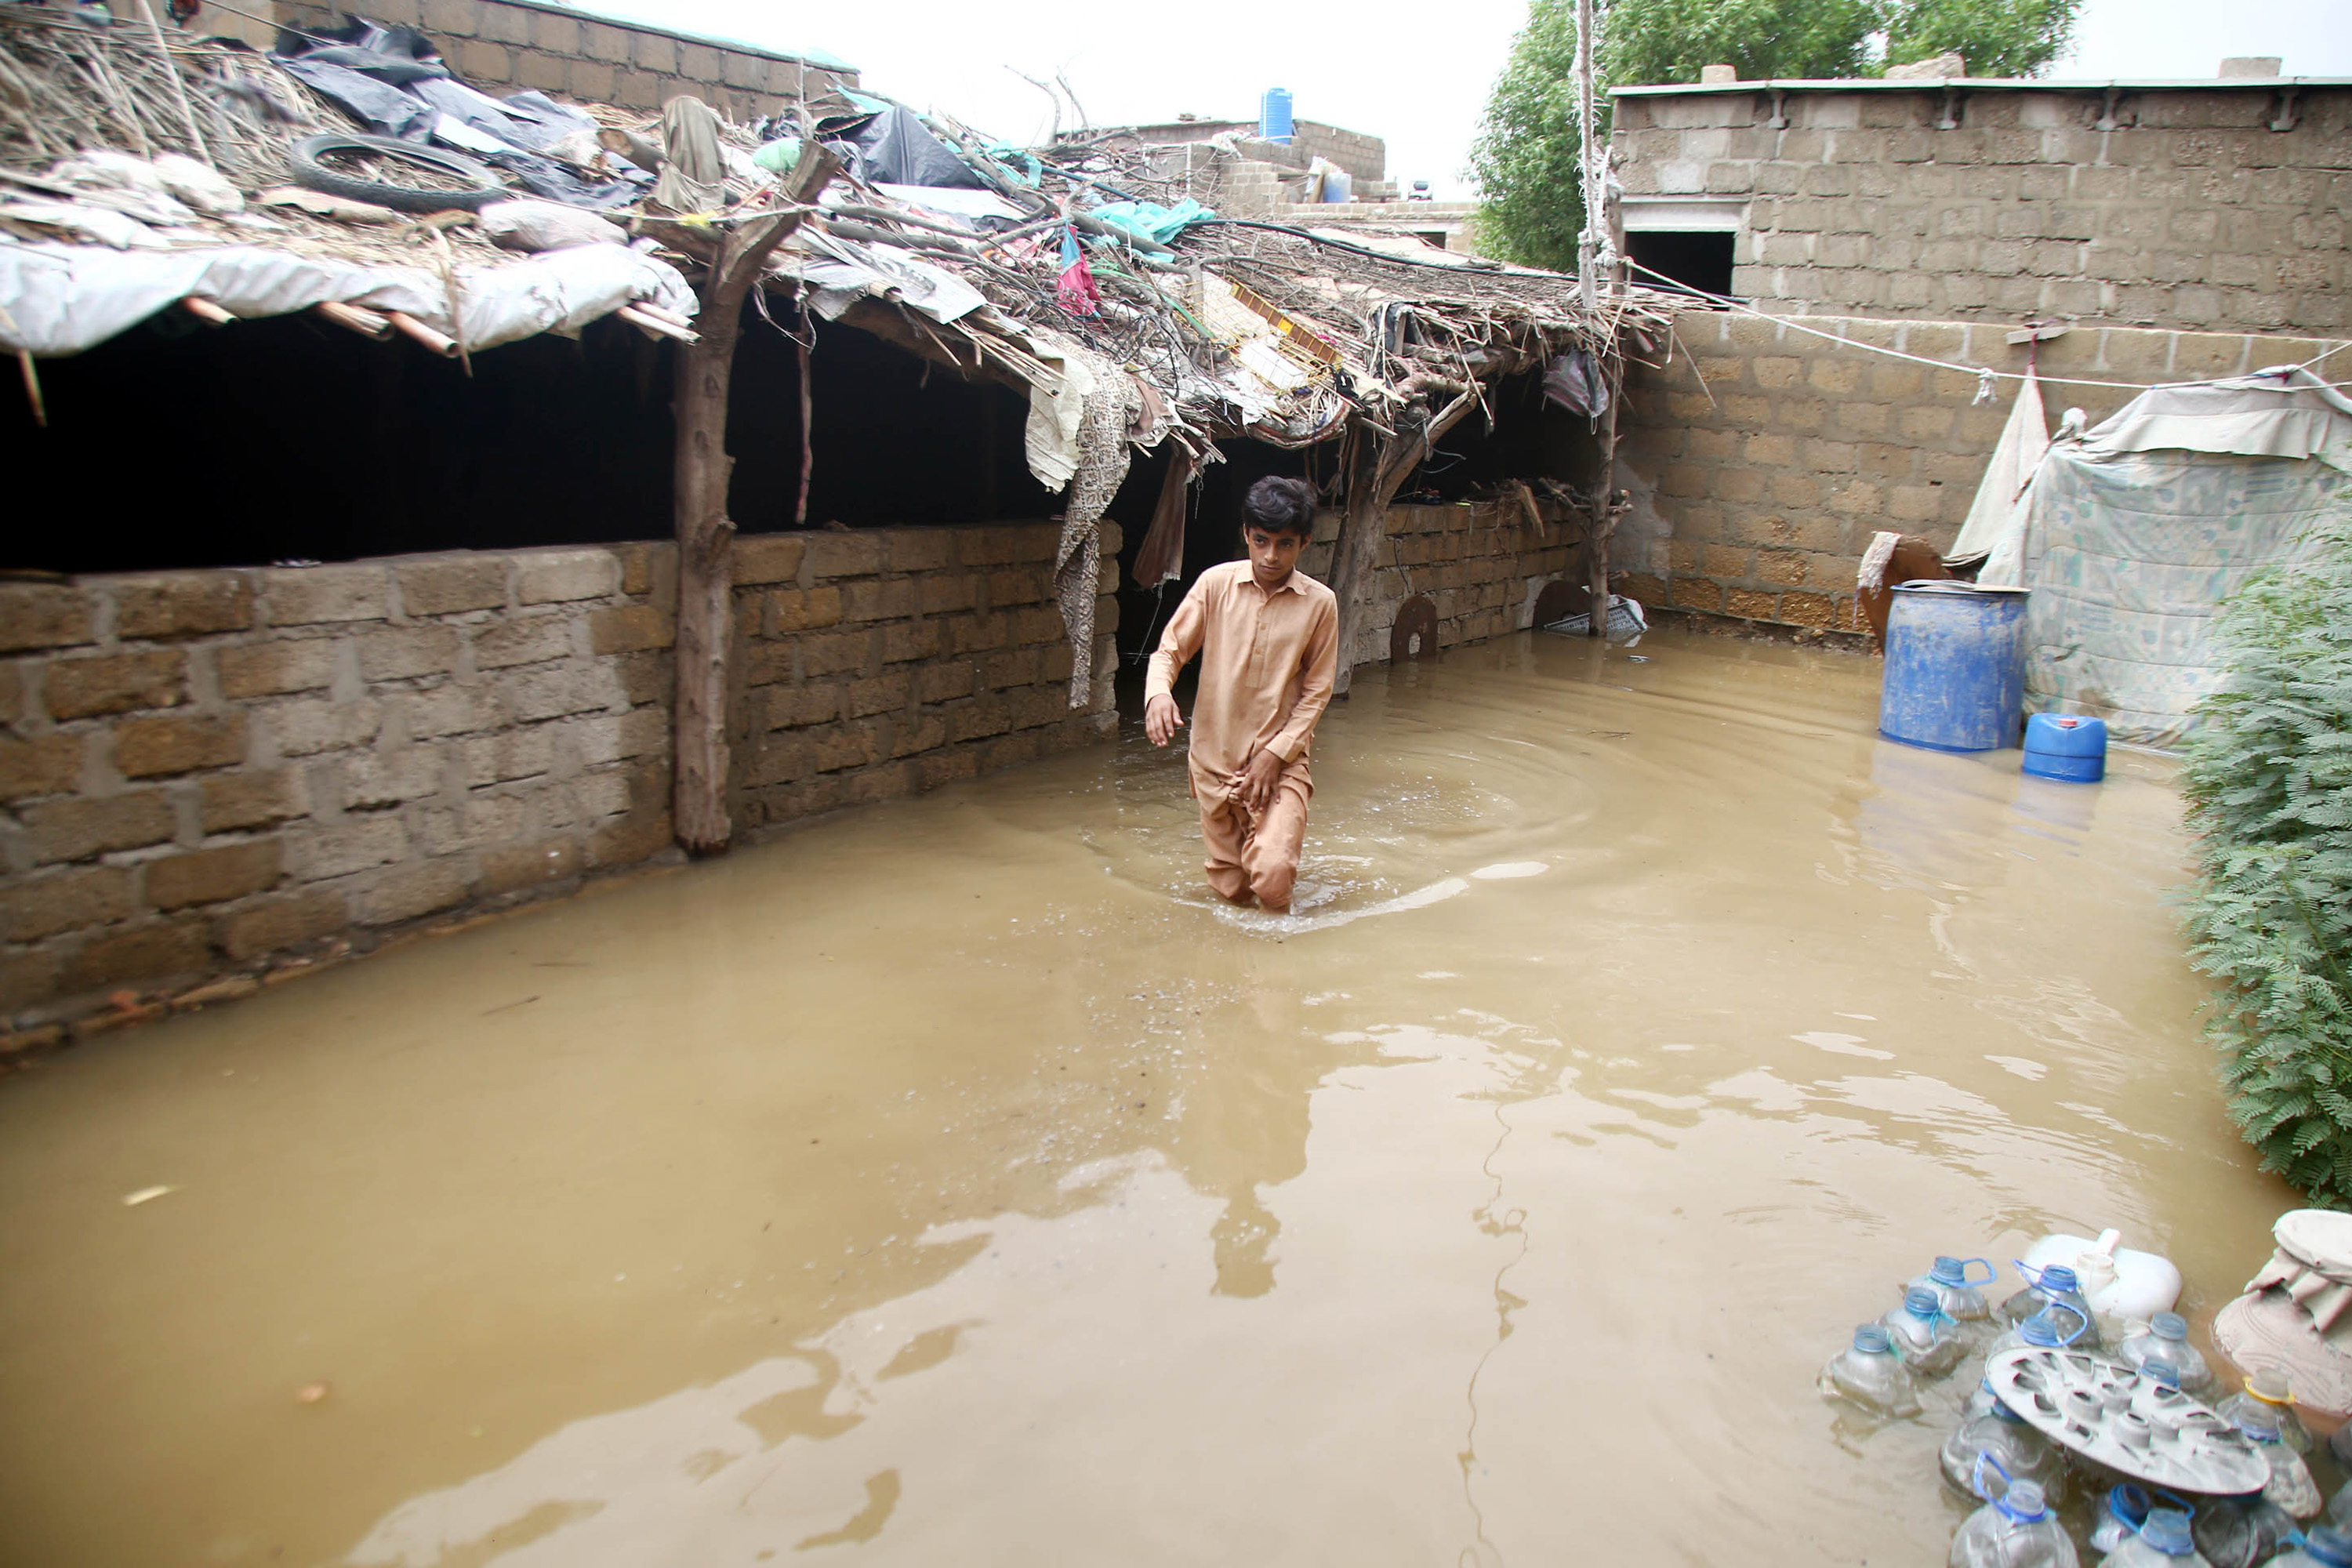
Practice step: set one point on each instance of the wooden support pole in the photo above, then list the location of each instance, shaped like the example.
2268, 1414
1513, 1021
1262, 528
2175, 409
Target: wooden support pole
706, 536
206, 310
1377, 467
441, 343
657, 326
1606, 508
367, 323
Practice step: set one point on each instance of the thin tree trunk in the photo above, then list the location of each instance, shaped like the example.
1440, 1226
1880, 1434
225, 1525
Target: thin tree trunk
706, 536
1604, 508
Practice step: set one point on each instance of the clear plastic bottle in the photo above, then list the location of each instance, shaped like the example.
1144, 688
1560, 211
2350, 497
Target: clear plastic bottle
2044, 1288
2268, 1399
2290, 1486
2322, 1547
2165, 1339
1924, 1334
2162, 1541
2056, 1326
2015, 1447
2122, 1509
2015, 1530
1869, 1373
1955, 1293
2240, 1532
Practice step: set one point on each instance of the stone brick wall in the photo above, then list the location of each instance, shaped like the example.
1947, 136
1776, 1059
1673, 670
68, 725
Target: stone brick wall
1481, 562
877, 664
1756, 493
2181, 208
506, 46
211, 778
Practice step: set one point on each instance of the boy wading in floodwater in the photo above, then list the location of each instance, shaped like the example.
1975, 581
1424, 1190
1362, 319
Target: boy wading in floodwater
1268, 637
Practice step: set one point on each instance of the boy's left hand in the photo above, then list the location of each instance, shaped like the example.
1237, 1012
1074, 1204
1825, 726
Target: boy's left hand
1257, 778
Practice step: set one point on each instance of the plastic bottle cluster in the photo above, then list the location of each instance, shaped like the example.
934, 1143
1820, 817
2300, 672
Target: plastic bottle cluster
2022, 1478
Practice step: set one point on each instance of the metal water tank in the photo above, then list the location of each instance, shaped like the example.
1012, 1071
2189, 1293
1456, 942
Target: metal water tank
1955, 667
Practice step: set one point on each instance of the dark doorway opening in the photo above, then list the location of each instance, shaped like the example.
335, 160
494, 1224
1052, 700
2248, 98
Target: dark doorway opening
1698, 261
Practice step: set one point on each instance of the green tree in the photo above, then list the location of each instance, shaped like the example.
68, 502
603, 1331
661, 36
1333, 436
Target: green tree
1525, 157
2269, 781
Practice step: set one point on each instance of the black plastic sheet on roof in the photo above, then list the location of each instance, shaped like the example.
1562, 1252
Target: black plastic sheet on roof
393, 82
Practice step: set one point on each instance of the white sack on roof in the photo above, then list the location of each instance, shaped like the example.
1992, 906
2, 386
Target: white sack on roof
64, 298
840, 272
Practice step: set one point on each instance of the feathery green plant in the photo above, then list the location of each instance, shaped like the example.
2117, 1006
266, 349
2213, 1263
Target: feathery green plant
2269, 781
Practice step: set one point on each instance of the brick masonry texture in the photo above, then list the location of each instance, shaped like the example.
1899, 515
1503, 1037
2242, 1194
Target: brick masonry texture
1757, 493
2191, 212
1481, 563
209, 773
502, 47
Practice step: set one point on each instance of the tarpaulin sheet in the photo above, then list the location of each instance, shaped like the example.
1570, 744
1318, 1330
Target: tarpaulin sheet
2131, 554
64, 298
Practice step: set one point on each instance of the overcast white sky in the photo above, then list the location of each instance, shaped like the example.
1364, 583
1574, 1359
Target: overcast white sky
1414, 74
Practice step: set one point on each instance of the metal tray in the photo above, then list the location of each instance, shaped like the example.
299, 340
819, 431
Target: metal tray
2133, 1424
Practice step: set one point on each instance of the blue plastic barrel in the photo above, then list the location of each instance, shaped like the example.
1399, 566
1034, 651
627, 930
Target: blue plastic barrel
2063, 746
1273, 115
1955, 667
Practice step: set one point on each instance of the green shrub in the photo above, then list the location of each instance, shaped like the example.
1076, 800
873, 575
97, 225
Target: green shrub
2269, 781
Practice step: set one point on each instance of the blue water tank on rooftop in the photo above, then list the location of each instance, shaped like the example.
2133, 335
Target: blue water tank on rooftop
1955, 667
1273, 115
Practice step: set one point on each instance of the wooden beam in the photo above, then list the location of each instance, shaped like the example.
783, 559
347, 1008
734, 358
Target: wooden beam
1606, 507
706, 536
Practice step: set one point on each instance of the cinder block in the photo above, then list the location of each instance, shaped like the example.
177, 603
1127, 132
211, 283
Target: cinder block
78, 829
832, 554
883, 693
877, 600
1697, 594
65, 900
269, 669
558, 577
403, 653
377, 838
1809, 609
44, 615
387, 778
903, 641
213, 876
766, 558
407, 892
178, 743
134, 954
519, 866
630, 628
524, 639
47, 764
509, 754
449, 584
305, 728
115, 683
314, 596
250, 799
180, 605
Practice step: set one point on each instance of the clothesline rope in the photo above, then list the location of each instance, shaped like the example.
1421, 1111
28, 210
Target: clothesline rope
1980, 372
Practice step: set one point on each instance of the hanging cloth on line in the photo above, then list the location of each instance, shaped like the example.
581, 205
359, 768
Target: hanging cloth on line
1998, 510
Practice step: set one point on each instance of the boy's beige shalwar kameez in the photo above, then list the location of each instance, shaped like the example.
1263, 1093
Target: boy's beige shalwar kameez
1267, 662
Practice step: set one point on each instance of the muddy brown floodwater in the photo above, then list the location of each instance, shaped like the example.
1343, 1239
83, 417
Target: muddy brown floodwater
951, 1183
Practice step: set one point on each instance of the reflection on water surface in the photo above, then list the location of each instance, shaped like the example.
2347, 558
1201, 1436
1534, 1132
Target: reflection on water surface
959, 1181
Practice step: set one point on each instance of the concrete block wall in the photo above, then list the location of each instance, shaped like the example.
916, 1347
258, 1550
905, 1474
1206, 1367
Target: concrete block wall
210, 779
204, 771
879, 663
2190, 212
1481, 562
1767, 481
506, 46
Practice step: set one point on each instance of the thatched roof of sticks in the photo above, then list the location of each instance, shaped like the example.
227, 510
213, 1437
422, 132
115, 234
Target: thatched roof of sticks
1226, 327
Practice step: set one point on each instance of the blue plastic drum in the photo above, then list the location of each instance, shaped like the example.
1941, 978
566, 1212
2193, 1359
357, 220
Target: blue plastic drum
2063, 746
1955, 667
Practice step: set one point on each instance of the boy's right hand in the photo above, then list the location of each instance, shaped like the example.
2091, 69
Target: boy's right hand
1161, 720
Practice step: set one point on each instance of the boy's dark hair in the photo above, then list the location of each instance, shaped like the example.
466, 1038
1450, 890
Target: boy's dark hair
1281, 506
